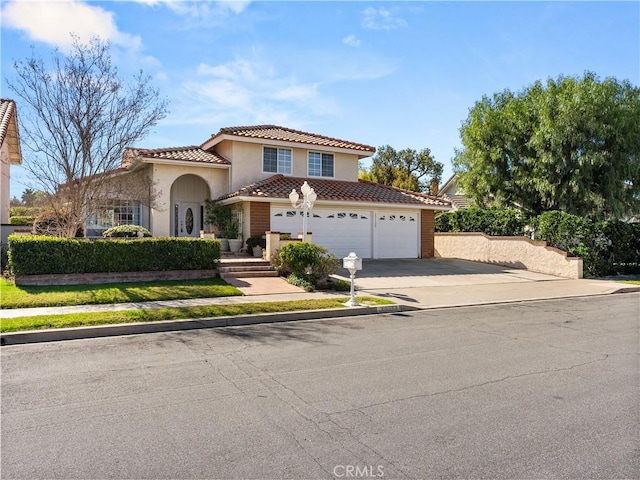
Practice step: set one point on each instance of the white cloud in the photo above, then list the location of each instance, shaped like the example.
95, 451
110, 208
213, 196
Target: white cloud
53, 22
351, 40
200, 8
381, 19
245, 91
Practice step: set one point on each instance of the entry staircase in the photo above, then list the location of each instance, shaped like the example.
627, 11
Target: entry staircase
245, 266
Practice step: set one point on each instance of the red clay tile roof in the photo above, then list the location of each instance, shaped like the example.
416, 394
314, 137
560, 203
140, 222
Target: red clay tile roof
274, 132
279, 186
188, 154
9, 129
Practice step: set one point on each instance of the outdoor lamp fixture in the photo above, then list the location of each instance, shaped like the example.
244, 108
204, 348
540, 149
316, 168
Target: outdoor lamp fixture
352, 263
308, 198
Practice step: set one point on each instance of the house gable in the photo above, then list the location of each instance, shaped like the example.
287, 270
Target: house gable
245, 148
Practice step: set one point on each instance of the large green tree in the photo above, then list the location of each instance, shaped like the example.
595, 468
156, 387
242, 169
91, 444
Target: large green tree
407, 169
572, 144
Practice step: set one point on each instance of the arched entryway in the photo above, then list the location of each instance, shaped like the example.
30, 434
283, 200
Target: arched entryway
188, 195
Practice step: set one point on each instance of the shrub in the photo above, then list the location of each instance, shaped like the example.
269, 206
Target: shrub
127, 231
491, 222
25, 211
624, 248
301, 257
54, 223
578, 236
35, 255
21, 220
302, 282
4, 256
308, 261
256, 241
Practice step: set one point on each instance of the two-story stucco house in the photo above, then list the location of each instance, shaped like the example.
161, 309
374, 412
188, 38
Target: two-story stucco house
255, 168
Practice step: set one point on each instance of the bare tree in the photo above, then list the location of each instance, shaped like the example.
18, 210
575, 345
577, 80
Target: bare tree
80, 115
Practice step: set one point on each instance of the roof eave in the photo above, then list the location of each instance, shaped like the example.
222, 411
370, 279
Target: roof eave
354, 203
216, 139
190, 163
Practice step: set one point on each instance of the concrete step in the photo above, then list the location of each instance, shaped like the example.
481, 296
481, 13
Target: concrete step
244, 263
244, 268
249, 273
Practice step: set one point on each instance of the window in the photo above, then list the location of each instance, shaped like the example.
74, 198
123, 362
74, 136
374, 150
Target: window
115, 213
276, 160
320, 164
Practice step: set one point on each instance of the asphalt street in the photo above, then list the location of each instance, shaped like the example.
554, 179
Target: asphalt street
546, 389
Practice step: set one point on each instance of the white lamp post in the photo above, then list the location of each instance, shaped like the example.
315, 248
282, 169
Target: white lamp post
352, 263
308, 198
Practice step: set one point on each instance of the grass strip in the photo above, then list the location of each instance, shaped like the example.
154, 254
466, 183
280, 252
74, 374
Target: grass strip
181, 313
632, 282
14, 296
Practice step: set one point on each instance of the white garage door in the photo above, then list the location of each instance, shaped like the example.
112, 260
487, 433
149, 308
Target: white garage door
396, 234
339, 230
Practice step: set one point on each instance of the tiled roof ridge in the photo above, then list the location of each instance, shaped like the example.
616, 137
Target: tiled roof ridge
166, 149
237, 130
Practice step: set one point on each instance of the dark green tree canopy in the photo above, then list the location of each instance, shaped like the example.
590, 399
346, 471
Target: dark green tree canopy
407, 169
572, 144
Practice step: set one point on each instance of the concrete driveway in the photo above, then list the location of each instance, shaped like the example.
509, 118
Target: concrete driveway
437, 272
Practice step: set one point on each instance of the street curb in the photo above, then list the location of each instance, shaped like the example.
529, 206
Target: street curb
56, 335
77, 333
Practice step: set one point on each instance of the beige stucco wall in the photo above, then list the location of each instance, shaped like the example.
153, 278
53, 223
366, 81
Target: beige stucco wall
247, 158
165, 175
4, 184
517, 252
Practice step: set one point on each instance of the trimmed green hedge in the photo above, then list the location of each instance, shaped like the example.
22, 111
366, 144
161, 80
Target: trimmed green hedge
492, 222
21, 220
35, 255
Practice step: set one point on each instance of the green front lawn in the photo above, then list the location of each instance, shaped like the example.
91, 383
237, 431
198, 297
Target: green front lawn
158, 314
13, 296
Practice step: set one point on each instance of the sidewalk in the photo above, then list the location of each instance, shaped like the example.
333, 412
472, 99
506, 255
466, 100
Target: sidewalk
406, 297
414, 297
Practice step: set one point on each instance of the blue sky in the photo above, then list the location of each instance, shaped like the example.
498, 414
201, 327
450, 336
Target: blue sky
398, 73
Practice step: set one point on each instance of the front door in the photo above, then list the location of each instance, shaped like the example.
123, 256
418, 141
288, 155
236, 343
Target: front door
189, 220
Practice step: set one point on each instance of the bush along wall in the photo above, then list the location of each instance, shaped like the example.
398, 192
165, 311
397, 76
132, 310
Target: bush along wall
37, 255
607, 248
492, 221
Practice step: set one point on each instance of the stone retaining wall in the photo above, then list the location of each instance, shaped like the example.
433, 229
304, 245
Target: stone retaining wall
122, 277
516, 252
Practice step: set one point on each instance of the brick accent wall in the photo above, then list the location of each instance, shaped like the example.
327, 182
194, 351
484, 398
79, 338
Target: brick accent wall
260, 218
427, 232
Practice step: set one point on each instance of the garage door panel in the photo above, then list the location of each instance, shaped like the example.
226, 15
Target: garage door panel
396, 234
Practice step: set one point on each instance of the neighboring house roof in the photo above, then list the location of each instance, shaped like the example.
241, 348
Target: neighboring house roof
9, 130
186, 154
451, 191
458, 202
452, 183
279, 187
283, 134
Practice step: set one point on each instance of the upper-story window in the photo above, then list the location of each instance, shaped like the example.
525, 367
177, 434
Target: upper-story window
276, 160
320, 164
